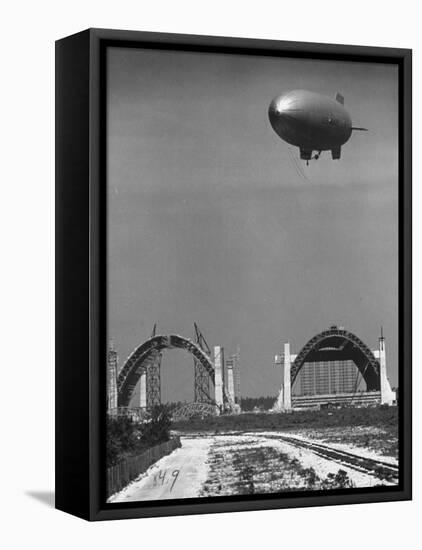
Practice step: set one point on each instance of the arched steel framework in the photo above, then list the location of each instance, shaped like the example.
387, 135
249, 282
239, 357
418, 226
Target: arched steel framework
145, 355
338, 344
194, 409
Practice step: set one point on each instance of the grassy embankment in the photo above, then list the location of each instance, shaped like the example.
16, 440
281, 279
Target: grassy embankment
384, 418
375, 429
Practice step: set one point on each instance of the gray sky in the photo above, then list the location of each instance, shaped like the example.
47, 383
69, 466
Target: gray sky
209, 220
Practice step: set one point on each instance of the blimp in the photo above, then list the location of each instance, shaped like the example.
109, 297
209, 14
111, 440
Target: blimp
312, 122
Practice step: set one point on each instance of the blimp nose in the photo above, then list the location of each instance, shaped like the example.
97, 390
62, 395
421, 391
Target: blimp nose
274, 109
283, 106
279, 113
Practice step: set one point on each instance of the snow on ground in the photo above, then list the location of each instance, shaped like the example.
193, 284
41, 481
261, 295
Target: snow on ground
180, 474
307, 458
359, 451
204, 464
367, 439
323, 466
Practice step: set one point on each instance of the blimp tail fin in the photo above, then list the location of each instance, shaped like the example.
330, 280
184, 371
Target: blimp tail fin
358, 128
339, 98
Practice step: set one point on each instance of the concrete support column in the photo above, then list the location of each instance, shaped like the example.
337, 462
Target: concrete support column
143, 390
287, 401
387, 395
230, 381
218, 374
279, 405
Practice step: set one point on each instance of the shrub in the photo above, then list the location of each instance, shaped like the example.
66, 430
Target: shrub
126, 437
311, 477
337, 481
157, 428
121, 438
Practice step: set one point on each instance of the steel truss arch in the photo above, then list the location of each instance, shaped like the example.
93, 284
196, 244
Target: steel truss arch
145, 355
339, 344
194, 409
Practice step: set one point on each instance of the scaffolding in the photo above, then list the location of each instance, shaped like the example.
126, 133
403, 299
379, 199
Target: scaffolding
327, 377
201, 375
236, 374
112, 361
153, 385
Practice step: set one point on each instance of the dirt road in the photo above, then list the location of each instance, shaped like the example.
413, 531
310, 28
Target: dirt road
178, 475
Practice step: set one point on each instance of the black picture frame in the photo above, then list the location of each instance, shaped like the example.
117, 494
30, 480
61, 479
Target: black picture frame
81, 345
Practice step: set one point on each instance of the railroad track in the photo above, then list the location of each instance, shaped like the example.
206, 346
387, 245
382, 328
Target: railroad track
378, 468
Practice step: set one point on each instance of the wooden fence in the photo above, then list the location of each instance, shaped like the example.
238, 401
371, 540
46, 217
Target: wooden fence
124, 472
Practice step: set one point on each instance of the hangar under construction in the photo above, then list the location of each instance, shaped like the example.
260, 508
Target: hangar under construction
334, 368
216, 379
